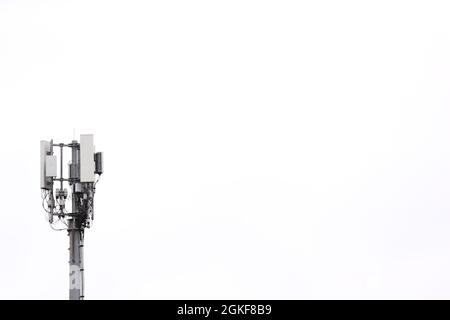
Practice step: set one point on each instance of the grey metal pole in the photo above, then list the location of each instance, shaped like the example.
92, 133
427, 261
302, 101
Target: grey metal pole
61, 166
76, 291
75, 262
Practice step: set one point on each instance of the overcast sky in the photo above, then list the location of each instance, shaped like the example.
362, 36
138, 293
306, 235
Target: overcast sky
253, 149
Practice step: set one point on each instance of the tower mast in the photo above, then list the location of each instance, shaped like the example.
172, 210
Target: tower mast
84, 166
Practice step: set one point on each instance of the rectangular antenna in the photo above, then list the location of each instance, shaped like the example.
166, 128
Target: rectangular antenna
45, 148
87, 165
50, 166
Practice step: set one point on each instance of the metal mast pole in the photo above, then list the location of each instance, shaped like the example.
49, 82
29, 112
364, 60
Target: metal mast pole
76, 290
75, 262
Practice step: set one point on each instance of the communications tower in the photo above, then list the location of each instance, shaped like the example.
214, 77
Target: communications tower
77, 189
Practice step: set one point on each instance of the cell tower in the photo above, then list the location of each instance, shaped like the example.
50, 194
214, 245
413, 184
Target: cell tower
81, 181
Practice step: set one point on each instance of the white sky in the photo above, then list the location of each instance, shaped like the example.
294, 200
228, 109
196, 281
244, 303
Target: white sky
253, 149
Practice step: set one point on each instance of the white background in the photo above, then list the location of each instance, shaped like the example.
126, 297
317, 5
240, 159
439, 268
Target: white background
253, 149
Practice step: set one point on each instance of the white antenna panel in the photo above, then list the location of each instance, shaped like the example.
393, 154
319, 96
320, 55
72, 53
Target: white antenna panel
87, 165
45, 148
50, 166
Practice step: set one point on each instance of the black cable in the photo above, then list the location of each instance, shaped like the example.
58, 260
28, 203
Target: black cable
95, 183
